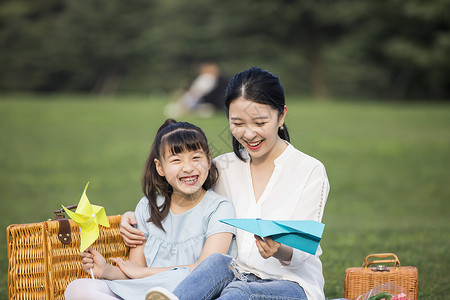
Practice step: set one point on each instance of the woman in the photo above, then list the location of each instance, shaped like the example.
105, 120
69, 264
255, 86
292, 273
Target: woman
265, 177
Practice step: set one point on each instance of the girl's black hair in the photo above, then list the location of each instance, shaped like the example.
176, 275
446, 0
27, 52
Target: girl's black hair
177, 137
259, 86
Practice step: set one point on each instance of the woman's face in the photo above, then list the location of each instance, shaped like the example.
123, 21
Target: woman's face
255, 126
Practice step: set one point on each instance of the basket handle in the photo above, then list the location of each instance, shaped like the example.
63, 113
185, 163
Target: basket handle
394, 260
59, 213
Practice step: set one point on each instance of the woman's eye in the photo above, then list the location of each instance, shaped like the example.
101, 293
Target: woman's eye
260, 124
238, 124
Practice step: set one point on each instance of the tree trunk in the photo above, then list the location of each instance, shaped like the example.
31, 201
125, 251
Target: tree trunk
319, 88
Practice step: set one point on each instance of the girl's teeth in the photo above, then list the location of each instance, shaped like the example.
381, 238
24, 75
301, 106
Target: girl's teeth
188, 180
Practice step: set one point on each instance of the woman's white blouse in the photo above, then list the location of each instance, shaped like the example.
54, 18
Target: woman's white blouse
297, 190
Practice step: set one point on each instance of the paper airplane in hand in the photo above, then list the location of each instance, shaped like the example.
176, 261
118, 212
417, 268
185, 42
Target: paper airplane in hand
88, 217
302, 235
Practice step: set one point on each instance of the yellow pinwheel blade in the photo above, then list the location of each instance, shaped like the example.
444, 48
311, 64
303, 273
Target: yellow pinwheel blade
88, 217
84, 206
89, 235
79, 219
100, 215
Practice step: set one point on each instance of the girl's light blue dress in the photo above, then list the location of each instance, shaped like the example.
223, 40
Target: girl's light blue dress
181, 244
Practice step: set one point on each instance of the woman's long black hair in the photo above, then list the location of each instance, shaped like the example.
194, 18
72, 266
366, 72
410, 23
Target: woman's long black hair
259, 86
177, 137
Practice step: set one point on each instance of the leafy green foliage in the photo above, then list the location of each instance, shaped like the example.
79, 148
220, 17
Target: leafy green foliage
395, 49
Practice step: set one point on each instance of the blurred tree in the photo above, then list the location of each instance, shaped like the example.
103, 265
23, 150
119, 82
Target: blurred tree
101, 41
411, 41
387, 49
26, 31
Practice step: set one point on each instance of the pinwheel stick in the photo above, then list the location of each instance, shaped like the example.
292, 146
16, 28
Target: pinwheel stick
92, 274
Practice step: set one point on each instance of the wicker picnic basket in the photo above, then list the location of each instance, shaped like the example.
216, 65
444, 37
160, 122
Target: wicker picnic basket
45, 257
361, 280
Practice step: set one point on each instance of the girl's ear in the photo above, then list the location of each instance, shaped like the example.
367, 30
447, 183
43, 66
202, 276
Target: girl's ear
209, 160
159, 167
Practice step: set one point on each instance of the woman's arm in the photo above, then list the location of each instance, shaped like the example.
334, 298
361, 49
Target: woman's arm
131, 236
310, 206
268, 247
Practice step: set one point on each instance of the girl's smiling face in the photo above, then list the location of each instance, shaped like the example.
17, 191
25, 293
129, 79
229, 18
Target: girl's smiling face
186, 172
255, 126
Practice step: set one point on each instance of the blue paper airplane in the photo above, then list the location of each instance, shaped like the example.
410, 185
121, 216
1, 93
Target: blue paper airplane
302, 235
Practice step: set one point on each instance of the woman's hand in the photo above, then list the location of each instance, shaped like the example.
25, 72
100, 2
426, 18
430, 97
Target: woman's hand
266, 246
131, 236
131, 269
92, 259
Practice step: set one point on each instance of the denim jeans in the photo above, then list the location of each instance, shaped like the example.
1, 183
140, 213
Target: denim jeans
214, 279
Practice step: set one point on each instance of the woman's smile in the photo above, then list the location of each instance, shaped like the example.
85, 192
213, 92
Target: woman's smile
254, 145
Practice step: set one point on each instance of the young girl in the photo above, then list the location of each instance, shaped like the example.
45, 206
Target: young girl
265, 177
178, 215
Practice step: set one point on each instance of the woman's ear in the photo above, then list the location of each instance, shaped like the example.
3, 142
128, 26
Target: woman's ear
282, 117
159, 167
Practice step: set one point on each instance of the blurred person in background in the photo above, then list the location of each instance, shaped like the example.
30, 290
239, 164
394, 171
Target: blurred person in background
205, 95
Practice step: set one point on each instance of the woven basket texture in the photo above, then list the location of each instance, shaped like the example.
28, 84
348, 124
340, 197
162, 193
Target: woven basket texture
41, 267
361, 280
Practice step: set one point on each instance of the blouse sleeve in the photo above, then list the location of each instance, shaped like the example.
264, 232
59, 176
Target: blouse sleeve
224, 210
142, 214
312, 200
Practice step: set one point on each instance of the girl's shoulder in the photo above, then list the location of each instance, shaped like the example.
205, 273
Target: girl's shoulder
143, 206
213, 199
214, 203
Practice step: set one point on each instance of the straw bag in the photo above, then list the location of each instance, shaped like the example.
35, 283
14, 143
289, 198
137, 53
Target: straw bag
361, 280
45, 257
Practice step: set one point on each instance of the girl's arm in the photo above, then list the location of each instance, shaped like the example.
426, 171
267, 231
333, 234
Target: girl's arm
92, 259
134, 267
216, 243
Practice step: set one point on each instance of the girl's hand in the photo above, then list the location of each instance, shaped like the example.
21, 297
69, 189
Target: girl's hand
130, 268
131, 236
92, 259
266, 246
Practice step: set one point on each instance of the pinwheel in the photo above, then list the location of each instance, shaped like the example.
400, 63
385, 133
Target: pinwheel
88, 217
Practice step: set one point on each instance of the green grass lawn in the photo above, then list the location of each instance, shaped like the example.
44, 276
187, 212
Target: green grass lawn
388, 165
